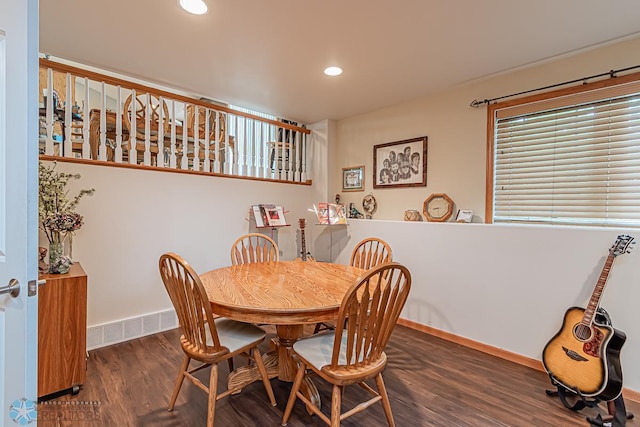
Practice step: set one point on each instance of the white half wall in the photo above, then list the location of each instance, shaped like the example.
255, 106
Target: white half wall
508, 286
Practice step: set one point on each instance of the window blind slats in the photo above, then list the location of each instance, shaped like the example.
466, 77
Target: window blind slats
570, 161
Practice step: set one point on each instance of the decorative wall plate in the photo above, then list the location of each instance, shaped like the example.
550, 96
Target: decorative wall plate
369, 204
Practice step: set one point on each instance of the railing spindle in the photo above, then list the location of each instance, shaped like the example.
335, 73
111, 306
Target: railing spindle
261, 168
86, 122
244, 170
118, 149
196, 136
213, 149
207, 145
184, 164
172, 157
147, 130
161, 160
68, 107
297, 157
133, 141
48, 145
280, 154
303, 159
102, 154
233, 162
225, 161
254, 140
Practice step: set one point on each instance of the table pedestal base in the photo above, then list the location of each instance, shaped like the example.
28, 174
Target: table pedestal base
278, 363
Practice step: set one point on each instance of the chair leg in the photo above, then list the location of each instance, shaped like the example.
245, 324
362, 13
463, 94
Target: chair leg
213, 392
336, 405
176, 389
382, 390
230, 363
317, 328
265, 377
292, 397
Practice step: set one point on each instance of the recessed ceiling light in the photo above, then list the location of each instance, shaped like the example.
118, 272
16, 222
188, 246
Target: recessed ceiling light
333, 71
197, 7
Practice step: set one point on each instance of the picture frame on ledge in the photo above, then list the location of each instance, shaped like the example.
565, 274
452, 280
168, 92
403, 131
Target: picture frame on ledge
353, 178
400, 163
464, 215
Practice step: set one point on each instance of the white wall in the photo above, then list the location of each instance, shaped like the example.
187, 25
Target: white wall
137, 215
456, 153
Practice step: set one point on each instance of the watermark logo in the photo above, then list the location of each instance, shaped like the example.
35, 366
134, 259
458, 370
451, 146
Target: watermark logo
69, 410
23, 411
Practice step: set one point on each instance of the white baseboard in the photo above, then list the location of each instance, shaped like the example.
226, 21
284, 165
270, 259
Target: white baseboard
128, 329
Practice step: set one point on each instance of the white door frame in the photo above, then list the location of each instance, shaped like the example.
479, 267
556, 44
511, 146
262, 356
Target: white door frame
18, 209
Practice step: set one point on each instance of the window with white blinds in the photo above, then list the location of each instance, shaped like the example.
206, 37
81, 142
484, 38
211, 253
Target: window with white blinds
574, 160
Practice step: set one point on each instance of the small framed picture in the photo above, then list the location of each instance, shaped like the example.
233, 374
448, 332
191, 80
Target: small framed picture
353, 178
464, 215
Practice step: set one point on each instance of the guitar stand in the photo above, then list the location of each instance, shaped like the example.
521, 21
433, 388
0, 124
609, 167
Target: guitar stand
617, 414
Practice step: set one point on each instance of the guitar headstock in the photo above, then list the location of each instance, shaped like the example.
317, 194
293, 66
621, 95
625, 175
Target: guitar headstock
621, 245
302, 223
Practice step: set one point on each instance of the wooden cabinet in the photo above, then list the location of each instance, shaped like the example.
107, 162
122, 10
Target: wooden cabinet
62, 331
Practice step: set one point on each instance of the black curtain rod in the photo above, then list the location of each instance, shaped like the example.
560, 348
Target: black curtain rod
476, 104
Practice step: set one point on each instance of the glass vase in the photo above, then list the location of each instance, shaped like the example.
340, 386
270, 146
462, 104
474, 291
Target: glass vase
58, 262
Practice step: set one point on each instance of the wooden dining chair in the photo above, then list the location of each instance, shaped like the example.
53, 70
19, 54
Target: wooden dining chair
355, 354
205, 339
138, 108
254, 247
225, 142
366, 254
371, 252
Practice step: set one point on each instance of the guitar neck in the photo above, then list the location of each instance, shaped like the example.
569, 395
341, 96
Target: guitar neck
303, 243
594, 301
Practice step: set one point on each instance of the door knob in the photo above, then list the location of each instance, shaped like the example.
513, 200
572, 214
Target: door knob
12, 288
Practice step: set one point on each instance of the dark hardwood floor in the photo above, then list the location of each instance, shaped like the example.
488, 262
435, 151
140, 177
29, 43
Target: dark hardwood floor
431, 382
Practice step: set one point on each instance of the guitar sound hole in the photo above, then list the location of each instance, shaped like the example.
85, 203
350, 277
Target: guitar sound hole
582, 332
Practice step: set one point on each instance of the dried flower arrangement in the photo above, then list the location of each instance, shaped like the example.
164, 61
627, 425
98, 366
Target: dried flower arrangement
56, 210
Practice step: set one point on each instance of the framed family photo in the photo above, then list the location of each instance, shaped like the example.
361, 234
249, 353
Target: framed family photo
353, 178
400, 163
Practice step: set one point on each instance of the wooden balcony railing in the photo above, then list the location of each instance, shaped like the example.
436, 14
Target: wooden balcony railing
88, 115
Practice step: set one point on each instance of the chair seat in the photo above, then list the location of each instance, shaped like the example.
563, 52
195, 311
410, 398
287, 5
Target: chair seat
317, 349
236, 335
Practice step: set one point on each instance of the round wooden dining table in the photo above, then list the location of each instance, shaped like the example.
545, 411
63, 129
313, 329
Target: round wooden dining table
288, 294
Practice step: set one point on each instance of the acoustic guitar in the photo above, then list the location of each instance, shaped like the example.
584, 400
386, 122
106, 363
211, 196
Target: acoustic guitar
584, 356
304, 255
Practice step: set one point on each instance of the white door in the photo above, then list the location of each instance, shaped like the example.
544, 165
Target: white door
18, 209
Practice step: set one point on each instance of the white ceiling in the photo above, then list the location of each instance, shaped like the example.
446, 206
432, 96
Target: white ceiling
269, 55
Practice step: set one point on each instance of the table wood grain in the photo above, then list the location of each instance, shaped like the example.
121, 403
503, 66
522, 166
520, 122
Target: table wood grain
280, 293
287, 294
